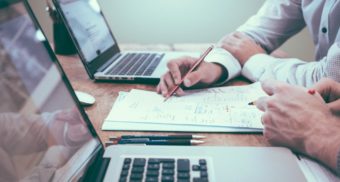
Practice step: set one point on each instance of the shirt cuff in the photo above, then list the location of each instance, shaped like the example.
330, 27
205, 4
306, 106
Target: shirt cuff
229, 62
255, 67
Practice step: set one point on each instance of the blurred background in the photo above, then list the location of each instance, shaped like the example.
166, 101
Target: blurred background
179, 21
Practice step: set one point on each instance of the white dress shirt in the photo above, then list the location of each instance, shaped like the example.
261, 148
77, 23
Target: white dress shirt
277, 21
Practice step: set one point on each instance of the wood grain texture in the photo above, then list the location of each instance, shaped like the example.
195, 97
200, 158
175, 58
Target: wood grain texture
106, 93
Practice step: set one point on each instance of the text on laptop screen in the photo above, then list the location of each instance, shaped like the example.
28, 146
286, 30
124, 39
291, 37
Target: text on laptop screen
43, 136
88, 26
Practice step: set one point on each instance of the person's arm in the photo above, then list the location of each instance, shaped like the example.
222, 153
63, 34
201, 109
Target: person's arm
264, 32
274, 23
301, 121
294, 71
22, 134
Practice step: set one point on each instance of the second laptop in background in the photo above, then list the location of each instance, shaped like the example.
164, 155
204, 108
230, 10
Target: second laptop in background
99, 50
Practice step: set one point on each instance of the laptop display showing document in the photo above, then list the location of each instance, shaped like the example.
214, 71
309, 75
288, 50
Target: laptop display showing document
91, 33
100, 52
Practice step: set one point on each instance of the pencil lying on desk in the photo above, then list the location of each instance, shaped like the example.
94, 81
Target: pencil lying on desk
198, 62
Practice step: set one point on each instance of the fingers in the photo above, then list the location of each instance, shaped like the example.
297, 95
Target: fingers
192, 78
261, 103
335, 107
240, 35
328, 89
177, 67
272, 86
162, 87
166, 84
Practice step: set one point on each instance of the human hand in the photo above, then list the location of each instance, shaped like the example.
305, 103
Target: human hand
205, 74
300, 121
240, 46
67, 127
330, 92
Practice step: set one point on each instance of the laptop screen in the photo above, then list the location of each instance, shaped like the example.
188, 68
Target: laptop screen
44, 136
88, 27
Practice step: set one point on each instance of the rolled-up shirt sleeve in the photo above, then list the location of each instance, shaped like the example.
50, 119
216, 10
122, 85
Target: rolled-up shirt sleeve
274, 23
292, 70
228, 61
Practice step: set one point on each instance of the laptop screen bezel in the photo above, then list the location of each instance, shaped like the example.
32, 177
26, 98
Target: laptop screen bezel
93, 65
100, 149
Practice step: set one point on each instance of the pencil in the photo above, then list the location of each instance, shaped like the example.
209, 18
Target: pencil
198, 62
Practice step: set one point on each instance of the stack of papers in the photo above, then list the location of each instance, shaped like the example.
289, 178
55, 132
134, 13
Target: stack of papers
223, 109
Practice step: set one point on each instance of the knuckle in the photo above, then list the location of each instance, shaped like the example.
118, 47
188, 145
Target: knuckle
171, 63
282, 88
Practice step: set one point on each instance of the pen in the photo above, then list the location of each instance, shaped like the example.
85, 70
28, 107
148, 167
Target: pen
160, 137
160, 142
198, 62
252, 103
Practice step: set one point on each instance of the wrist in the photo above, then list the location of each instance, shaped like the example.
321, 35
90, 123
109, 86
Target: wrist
221, 73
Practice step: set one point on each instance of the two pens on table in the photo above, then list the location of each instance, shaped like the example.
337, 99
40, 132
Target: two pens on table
157, 140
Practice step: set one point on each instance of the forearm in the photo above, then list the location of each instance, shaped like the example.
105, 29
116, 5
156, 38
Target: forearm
272, 25
19, 132
292, 70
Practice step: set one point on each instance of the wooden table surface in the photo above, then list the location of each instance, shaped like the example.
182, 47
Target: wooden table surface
106, 93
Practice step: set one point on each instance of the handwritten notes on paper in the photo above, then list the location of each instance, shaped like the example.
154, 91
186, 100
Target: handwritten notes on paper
224, 106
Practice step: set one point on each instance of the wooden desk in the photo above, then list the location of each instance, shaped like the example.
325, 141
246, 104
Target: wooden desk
106, 93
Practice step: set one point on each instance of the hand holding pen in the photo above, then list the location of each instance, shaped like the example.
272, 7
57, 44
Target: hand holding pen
202, 75
193, 67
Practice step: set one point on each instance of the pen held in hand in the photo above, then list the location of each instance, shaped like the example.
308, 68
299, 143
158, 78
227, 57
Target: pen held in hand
252, 103
198, 62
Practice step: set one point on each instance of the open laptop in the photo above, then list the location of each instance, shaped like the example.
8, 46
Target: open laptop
99, 50
45, 135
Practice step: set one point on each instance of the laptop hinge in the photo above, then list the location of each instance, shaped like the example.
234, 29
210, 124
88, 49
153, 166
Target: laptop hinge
97, 171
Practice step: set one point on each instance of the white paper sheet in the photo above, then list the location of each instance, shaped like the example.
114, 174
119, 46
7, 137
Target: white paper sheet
223, 107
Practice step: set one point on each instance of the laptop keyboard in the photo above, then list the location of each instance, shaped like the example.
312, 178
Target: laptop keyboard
141, 64
164, 170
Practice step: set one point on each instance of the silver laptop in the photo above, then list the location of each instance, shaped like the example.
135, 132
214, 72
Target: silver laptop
99, 50
46, 136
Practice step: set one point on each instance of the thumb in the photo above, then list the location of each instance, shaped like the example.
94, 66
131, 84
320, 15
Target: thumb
335, 107
192, 78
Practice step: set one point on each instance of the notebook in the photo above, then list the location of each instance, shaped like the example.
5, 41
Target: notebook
47, 136
99, 51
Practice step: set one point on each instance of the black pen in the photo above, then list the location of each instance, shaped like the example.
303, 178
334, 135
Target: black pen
160, 142
161, 137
